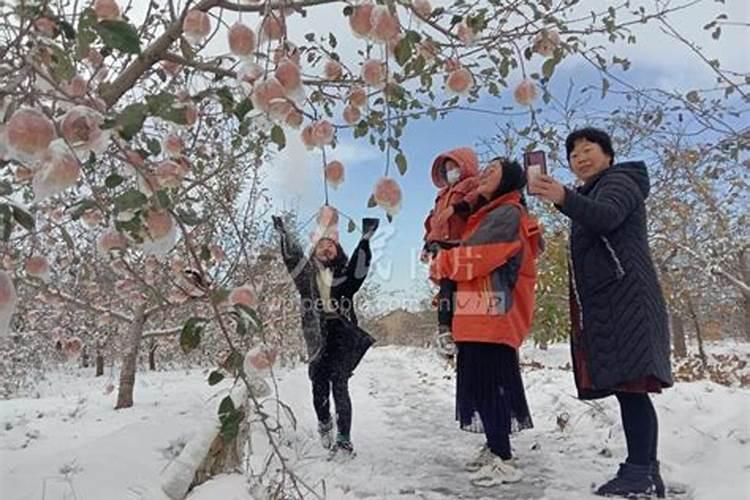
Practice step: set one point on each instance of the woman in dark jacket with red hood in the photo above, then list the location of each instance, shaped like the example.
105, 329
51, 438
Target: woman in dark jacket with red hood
620, 332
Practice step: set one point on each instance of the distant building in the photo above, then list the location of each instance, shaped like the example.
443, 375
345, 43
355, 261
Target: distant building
401, 327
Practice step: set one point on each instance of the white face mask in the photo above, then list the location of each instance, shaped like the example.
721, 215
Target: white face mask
452, 176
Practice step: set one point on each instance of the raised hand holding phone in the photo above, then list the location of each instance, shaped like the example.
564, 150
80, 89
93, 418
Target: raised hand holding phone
535, 163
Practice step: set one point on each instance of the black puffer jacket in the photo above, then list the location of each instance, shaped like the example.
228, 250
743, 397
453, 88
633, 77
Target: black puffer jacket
621, 313
348, 277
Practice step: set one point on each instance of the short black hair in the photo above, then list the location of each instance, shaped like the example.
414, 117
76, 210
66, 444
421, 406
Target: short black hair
594, 135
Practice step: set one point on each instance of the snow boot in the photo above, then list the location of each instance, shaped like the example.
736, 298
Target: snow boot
342, 451
631, 481
325, 431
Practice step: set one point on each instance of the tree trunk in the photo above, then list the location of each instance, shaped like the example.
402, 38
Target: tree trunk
99, 364
745, 267
206, 454
130, 361
152, 356
679, 346
85, 358
698, 332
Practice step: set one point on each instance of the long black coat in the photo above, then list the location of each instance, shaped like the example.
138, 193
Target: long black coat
348, 277
621, 314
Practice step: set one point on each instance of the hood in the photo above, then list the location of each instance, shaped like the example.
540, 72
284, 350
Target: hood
467, 160
637, 172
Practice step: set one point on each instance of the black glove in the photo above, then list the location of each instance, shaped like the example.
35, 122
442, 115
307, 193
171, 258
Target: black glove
369, 226
432, 249
278, 222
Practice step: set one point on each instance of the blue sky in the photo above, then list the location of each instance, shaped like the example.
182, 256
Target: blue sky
295, 175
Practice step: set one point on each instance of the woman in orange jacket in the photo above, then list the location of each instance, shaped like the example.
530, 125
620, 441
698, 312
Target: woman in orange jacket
495, 271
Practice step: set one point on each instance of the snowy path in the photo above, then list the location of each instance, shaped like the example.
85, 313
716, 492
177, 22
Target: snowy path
408, 444
407, 441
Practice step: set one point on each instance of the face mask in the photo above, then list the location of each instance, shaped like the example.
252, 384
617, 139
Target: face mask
452, 176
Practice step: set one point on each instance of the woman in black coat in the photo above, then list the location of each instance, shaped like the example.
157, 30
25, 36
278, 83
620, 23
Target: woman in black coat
620, 332
327, 282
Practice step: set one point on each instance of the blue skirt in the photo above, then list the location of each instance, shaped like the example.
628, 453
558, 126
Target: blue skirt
490, 397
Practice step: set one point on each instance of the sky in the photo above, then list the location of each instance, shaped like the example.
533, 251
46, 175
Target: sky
294, 176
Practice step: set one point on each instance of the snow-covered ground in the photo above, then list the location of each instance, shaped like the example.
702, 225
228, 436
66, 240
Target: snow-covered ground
70, 444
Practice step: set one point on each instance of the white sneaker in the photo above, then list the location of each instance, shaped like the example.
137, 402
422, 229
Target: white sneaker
496, 472
482, 458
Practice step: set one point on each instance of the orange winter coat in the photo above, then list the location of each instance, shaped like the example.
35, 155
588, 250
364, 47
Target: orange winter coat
438, 226
495, 272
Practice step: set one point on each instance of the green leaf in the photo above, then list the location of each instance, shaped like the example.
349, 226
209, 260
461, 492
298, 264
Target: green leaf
241, 325
162, 197
605, 87
403, 51
361, 129
230, 419
401, 163
176, 114
24, 218
130, 120
5, 188
67, 29
351, 227
332, 40
114, 180
62, 66
215, 377
549, 67
278, 137
86, 33
130, 200
81, 207
154, 146
119, 35
255, 321
226, 407
234, 362
205, 253
371, 202
189, 217
190, 336
67, 238
219, 295
226, 98
243, 108
6, 222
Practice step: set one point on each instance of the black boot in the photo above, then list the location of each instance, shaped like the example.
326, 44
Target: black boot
658, 481
632, 481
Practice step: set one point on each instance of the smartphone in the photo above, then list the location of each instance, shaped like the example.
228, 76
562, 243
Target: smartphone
535, 164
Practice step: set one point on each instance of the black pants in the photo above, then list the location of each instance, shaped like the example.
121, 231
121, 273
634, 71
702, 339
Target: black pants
445, 303
329, 377
641, 427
